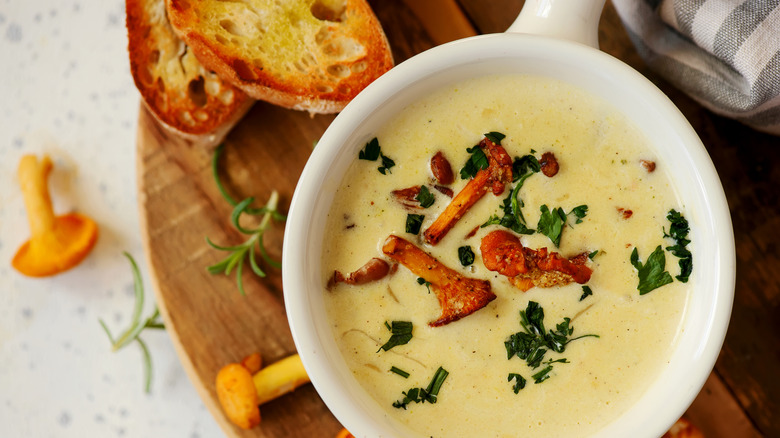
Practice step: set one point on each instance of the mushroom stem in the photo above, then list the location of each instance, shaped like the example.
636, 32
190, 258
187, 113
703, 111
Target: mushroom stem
280, 378
240, 393
33, 175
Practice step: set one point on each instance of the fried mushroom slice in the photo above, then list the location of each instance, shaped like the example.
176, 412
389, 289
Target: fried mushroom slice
503, 252
375, 269
408, 197
458, 296
495, 178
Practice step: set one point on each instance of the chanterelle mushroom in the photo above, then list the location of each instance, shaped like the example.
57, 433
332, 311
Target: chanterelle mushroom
241, 394
57, 243
494, 179
503, 252
458, 296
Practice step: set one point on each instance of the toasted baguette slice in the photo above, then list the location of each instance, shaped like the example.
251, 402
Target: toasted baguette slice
181, 94
313, 55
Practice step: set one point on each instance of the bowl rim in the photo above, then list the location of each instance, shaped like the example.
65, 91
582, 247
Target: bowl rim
313, 189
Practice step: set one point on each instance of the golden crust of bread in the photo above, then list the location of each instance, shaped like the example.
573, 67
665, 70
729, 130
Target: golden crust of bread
181, 94
313, 55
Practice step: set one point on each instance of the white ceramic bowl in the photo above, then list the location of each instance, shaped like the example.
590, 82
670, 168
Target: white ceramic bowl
672, 137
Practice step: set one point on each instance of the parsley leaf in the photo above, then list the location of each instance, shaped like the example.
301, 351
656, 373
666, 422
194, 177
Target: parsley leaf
579, 212
495, 137
476, 162
558, 339
652, 273
465, 255
542, 375
678, 230
425, 197
513, 216
401, 333
586, 292
519, 381
372, 151
387, 163
523, 167
534, 341
551, 222
414, 222
427, 283
422, 395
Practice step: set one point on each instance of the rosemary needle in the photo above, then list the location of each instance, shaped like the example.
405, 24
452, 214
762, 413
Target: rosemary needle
239, 254
137, 325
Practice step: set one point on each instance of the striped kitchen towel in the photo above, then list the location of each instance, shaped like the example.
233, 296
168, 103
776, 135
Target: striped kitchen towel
723, 53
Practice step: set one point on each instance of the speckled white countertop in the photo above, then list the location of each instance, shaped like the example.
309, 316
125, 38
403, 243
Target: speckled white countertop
66, 90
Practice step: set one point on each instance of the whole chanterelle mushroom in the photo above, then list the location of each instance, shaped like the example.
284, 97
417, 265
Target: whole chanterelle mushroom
57, 243
241, 394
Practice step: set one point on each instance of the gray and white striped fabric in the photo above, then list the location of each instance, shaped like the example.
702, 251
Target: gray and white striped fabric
723, 53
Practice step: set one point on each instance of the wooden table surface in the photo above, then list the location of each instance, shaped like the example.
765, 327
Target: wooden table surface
212, 325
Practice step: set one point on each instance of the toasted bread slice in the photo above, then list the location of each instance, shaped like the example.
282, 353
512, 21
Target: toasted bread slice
183, 95
313, 55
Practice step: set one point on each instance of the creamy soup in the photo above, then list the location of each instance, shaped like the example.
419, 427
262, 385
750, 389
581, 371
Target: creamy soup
603, 164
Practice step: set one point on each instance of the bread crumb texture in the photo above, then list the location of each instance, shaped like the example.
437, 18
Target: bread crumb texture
175, 86
305, 54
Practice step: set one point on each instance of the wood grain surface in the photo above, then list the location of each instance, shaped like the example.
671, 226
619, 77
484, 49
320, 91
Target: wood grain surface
211, 324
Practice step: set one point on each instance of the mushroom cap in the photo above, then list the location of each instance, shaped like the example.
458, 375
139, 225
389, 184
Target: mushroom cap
238, 396
71, 239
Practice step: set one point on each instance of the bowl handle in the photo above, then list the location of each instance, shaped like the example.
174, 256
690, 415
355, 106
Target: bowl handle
575, 20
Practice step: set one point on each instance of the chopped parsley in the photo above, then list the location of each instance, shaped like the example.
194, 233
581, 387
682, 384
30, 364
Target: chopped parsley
422, 395
551, 223
465, 255
425, 197
579, 212
652, 273
413, 223
513, 216
586, 292
372, 151
519, 381
593, 254
542, 375
678, 230
422, 281
400, 372
401, 333
534, 341
523, 167
495, 137
476, 162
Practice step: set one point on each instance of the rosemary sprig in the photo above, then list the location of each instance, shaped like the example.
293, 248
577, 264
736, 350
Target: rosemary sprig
238, 254
137, 325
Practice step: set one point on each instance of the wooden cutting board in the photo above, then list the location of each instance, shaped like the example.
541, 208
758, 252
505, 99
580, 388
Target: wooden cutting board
210, 322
